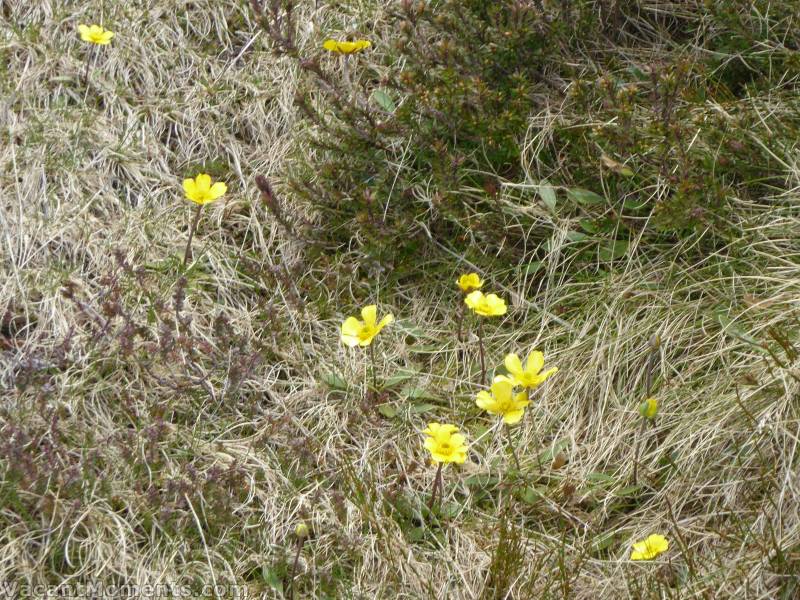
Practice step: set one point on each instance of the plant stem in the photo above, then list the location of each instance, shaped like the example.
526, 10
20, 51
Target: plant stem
513, 447
89, 58
294, 568
188, 254
372, 360
480, 347
460, 322
437, 483
638, 448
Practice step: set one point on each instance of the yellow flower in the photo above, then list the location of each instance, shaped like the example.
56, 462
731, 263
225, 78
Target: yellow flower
200, 191
529, 376
487, 306
470, 282
650, 548
649, 408
95, 34
445, 444
343, 47
360, 333
503, 401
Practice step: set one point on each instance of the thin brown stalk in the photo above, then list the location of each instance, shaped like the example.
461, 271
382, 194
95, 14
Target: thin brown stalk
188, 254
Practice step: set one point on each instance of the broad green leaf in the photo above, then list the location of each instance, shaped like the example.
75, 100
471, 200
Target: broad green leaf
602, 541
533, 267
272, 579
613, 250
576, 236
481, 480
417, 409
411, 392
730, 327
548, 195
450, 509
586, 197
384, 100
597, 477
628, 490
532, 494
387, 410
399, 378
334, 381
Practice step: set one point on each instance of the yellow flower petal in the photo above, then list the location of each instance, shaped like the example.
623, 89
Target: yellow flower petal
189, 187
484, 400
535, 362
351, 330
513, 417
203, 182
345, 47
513, 364
650, 548
548, 373
469, 282
502, 387
218, 190
384, 322
370, 315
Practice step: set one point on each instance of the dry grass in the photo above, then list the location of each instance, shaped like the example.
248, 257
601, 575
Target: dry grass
131, 469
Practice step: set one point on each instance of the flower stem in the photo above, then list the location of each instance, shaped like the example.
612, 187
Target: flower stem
480, 347
638, 449
437, 484
512, 447
372, 361
460, 322
294, 568
89, 58
188, 254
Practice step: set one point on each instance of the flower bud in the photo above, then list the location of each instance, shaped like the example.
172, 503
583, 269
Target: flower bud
655, 341
301, 531
649, 408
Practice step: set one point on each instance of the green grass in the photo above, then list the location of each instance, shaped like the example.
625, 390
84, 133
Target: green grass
165, 430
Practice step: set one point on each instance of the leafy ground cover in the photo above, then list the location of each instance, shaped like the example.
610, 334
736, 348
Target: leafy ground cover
624, 176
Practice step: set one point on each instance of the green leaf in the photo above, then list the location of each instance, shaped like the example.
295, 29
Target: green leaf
597, 477
588, 225
548, 195
334, 382
628, 490
576, 236
384, 100
585, 197
415, 534
387, 410
532, 495
731, 328
399, 378
613, 250
417, 393
602, 541
548, 455
421, 408
481, 480
533, 267
635, 203
272, 579
450, 509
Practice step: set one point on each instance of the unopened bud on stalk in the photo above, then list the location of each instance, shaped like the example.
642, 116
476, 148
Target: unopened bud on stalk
301, 531
649, 408
655, 341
